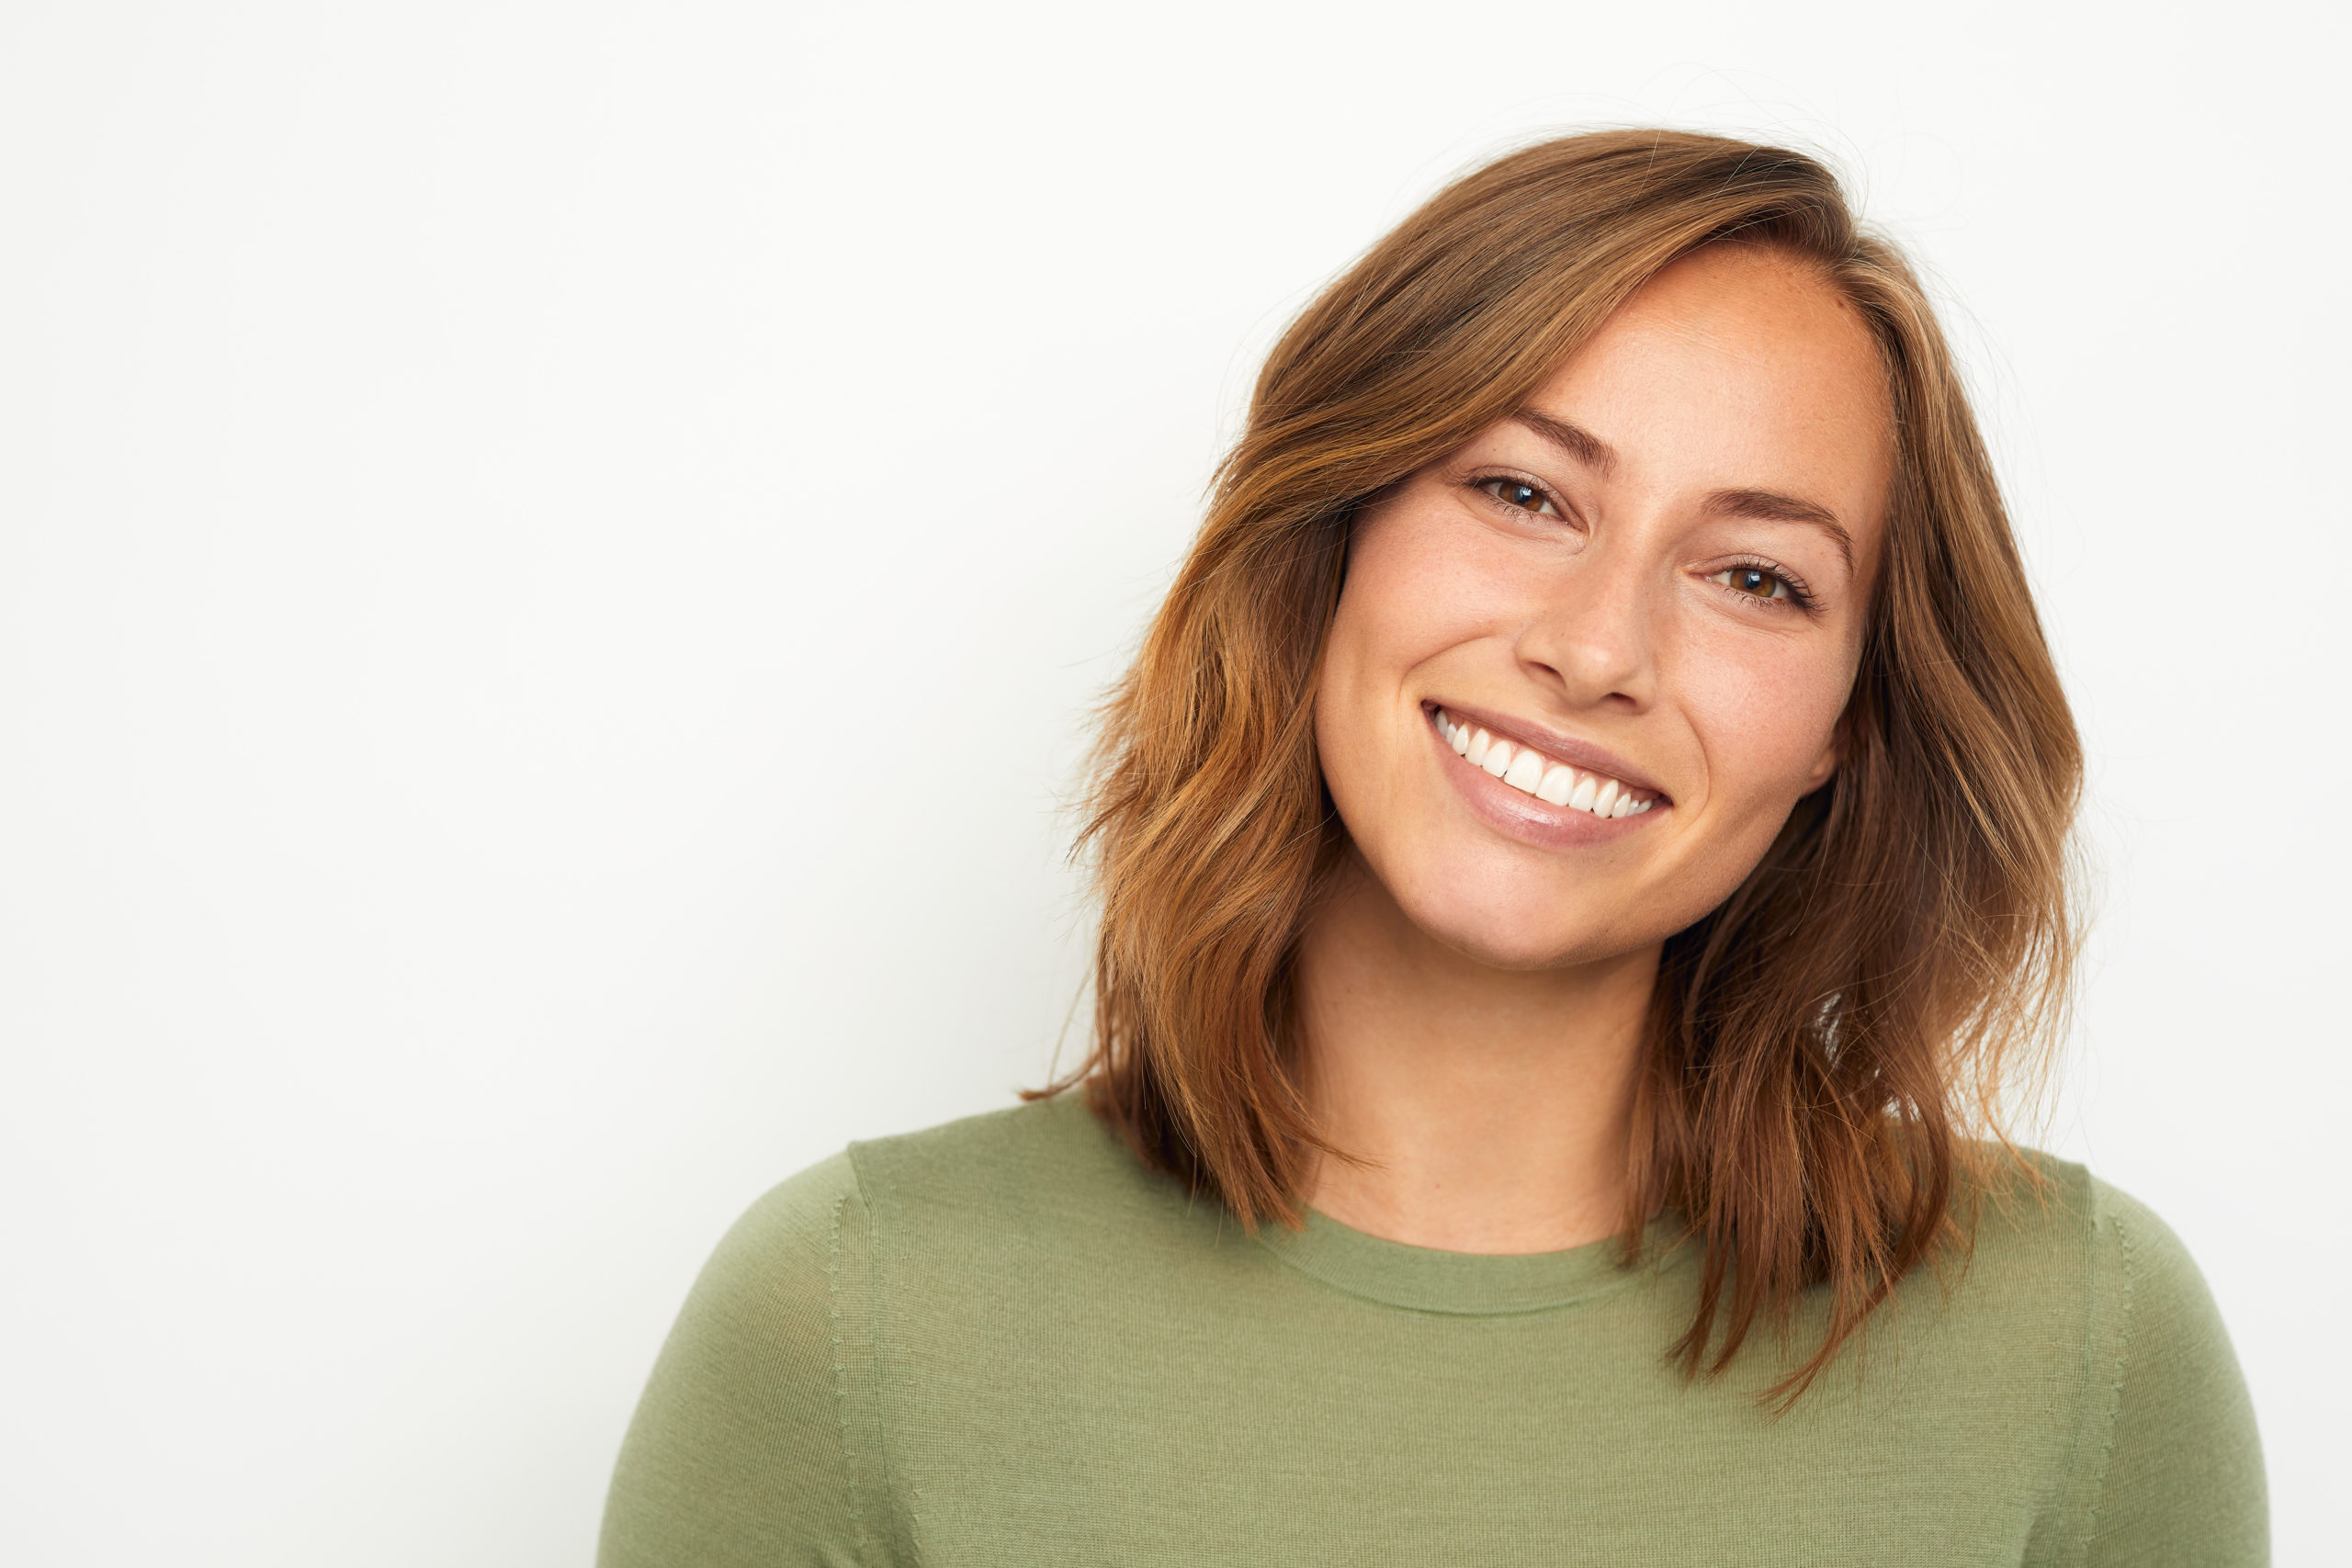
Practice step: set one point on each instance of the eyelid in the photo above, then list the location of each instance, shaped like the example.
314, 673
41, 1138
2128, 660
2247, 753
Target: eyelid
1481, 478
1801, 594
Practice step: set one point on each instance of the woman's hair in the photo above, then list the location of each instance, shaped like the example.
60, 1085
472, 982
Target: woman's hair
1819, 1045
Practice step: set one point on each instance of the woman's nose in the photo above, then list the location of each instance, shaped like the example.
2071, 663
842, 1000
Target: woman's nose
1593, 638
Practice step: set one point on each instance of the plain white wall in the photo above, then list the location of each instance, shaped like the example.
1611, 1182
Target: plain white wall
490, 496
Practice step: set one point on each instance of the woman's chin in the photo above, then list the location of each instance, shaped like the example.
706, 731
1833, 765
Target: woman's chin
1498, 934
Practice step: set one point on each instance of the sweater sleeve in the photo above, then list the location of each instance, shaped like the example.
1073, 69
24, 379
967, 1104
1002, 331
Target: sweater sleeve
753, 1443
2181, 1478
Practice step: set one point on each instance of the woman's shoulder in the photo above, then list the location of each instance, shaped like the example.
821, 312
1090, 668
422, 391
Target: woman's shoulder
2033, 1215
1035, 1176
1040, 1148
2057, 1285
1029, 1170
2050, 1242
2070, 1283
2132, 1245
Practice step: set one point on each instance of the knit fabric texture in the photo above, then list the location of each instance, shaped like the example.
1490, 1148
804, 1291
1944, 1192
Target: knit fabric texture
1003, 1341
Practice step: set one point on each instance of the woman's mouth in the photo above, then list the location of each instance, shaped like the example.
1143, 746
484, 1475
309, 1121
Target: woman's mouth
1531, 772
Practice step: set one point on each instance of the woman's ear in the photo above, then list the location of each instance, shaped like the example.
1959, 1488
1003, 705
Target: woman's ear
1833, 753
1823, 768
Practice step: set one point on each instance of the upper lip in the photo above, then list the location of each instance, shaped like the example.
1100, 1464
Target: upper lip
1552, 743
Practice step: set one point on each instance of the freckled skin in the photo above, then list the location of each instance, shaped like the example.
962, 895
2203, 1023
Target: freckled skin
1733, 369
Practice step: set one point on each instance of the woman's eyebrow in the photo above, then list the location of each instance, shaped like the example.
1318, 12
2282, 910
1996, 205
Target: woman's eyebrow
1764, 505
1772, 506
1576, 441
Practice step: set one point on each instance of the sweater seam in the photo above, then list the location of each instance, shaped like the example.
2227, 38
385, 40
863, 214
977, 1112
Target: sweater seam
1606, 1289
891, 1500
2126, 1268
850, 1461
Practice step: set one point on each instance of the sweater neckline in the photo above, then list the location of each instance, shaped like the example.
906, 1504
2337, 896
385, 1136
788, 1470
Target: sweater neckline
1426, 1279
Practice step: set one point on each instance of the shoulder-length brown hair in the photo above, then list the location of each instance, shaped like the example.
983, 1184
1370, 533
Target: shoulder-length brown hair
1818, 1043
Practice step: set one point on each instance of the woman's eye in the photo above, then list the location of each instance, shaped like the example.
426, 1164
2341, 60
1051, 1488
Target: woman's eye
1526, 497
1753, 580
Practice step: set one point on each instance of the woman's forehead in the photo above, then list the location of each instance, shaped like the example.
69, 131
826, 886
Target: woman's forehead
1734, 369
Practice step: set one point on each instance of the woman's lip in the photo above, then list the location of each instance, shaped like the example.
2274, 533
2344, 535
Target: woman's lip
1523, 817
1551, 743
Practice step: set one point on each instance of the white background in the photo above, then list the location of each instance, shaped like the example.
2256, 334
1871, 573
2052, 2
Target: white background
553, 559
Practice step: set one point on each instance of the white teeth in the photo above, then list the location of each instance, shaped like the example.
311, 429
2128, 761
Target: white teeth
1530, 771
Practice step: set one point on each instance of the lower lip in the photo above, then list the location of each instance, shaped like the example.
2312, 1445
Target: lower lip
1520, 815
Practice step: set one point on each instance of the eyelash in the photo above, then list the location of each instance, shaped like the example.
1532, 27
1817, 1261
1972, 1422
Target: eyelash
1481, 483
1800, 597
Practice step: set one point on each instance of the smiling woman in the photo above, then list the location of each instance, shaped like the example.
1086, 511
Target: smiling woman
1578, 849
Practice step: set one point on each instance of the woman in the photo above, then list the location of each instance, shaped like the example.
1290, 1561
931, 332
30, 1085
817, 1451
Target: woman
1580, 841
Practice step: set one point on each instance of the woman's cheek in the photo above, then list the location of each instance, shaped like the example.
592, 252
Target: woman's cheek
1765, 722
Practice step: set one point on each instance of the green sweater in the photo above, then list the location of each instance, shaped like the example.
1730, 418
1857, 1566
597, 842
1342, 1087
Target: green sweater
1004, 1341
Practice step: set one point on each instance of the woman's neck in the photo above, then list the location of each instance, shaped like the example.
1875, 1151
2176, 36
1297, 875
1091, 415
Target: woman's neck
1491, 1107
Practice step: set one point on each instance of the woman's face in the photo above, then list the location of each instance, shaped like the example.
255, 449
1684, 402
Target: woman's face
1582, 669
